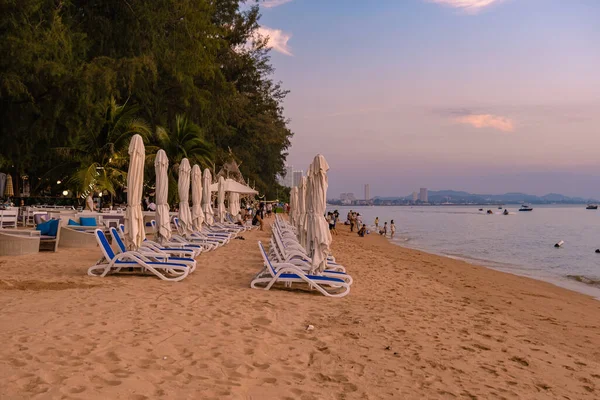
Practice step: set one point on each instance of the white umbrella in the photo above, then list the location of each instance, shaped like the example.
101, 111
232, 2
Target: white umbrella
221, 200
234, 203
318, 235
183, 184
293, 205
233, 186
197, 214
301, 213
134, 219
163, 223
206, 198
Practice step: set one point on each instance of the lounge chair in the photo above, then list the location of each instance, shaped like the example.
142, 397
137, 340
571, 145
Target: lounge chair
289, 274
156, 254
332, 271
216, 239
291, 249
114, 263
169, 246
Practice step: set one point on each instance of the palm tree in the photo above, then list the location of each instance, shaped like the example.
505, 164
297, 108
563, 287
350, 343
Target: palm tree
99, 158
184, 140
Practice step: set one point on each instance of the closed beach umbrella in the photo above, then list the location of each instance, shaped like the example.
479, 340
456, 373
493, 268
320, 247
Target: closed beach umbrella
221, 200
89, 202
163, 223
9, 190
301, 213
197, 214
318, 235
206, 198
134, 219
293, 201
185, 214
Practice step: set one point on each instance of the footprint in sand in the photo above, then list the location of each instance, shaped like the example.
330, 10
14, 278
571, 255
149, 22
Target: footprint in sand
261, 321
77, 389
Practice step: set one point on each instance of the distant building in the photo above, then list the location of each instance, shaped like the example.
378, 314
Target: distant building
415, 197
423, 195
297, 177
367, 192
347, 197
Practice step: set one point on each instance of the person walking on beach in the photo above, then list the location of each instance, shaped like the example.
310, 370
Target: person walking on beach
352, 221
383, 231
392, 229
376, 223
332, 223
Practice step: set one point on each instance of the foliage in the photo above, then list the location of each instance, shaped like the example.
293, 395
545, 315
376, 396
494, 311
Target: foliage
84, 75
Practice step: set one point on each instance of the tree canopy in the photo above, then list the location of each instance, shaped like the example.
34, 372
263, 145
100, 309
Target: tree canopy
81, 76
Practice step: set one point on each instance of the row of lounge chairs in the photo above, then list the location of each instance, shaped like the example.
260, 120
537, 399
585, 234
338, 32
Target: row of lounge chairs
170, 261
288, 262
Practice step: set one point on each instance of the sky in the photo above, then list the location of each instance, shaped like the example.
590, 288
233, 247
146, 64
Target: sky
486, 96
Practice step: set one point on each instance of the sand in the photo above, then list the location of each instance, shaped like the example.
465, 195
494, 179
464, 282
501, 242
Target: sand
414, 326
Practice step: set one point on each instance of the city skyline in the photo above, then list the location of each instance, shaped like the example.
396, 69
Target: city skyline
489, 97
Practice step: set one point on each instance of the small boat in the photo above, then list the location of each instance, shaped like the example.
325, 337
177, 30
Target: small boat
499, 208
481, 209
592, 207
525, 207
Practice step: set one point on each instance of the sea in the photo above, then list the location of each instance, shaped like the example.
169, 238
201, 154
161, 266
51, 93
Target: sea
521, 243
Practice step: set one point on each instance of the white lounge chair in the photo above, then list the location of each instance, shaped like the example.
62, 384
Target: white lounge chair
289, 274
114, 263
183, 256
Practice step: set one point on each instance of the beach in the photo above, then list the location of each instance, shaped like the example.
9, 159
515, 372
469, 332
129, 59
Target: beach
414, 326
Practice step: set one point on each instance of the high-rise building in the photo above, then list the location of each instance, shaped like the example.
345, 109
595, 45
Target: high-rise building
415, 197
297, 177
367, 192
289, 176
423, 195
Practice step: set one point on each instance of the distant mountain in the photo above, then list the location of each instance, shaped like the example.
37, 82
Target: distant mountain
460, 197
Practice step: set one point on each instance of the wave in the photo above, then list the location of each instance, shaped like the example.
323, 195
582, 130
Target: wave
585, 279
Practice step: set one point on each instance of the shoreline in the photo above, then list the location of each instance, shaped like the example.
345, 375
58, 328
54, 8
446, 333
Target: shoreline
573, 283
415, 325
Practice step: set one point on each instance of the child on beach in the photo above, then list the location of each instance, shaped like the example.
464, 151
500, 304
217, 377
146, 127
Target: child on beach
376, 223
362, 231
392, 229
383, 231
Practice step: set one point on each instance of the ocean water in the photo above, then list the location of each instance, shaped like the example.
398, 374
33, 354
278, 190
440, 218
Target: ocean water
521, 243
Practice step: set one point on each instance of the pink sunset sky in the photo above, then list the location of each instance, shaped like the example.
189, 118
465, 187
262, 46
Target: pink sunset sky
487, 96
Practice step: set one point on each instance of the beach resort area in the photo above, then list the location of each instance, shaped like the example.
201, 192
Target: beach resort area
175, 178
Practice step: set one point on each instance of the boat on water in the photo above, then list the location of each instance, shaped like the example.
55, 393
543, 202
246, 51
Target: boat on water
525, 207
592, 207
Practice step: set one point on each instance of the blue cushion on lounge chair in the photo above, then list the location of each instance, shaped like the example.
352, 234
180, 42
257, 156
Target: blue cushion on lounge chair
73, 223
44, 228
87, 221
53, 231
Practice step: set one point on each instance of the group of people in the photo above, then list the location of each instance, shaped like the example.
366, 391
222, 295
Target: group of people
354, 219
332, 218
384, 229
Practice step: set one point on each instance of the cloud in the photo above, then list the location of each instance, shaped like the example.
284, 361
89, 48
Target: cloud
469, 6
278, 40
274, 3
487, 121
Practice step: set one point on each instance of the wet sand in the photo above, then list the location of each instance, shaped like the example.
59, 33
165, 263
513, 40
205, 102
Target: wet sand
414, 326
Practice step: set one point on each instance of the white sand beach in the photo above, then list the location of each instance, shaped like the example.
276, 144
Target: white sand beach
414, 326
